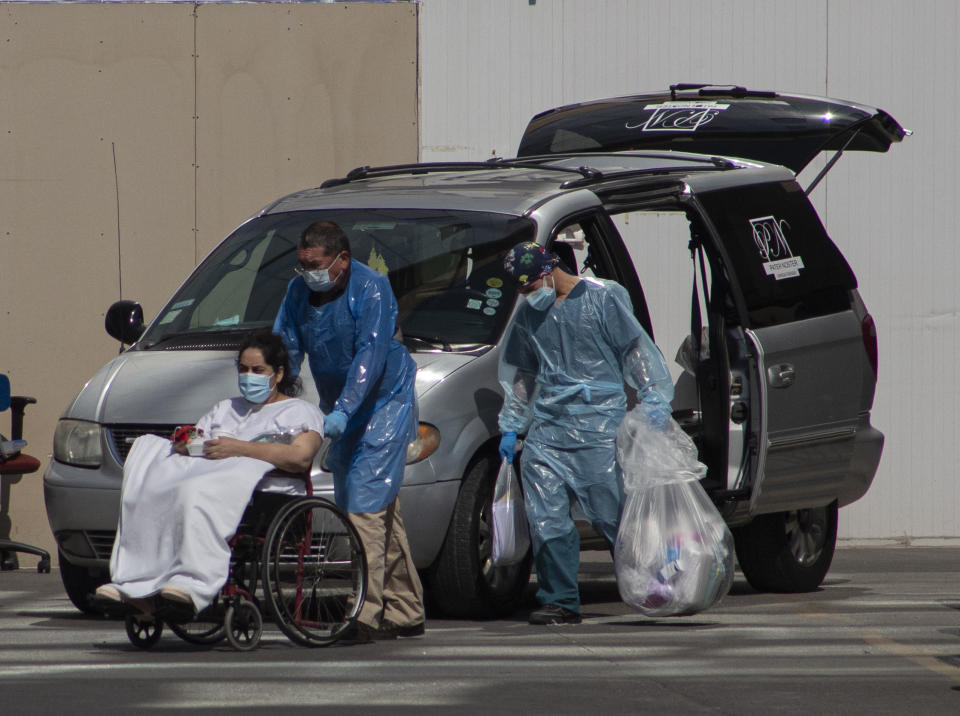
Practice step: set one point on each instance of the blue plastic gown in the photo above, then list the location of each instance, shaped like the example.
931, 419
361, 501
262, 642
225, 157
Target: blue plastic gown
562, 372
361, 371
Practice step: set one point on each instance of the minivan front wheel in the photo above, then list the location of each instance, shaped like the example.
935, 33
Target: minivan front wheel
788, 551
462, 581
80, 583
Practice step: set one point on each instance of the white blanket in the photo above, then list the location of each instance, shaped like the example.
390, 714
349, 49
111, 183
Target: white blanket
177, 514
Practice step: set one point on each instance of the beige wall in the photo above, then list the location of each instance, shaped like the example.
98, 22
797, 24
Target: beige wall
133, 138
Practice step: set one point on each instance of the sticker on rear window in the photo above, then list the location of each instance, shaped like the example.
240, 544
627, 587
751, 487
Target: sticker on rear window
770, 236
474, 304
678, 116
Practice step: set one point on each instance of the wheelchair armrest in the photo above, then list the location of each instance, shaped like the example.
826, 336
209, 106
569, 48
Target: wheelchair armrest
302, 476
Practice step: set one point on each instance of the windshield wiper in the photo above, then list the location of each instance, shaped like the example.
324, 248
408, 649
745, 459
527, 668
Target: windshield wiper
433, 341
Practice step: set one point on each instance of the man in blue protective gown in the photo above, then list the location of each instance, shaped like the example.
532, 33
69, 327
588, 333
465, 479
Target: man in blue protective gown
568, 351
343, 315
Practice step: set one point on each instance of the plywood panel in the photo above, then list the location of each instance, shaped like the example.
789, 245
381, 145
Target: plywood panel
109, 186
289, 96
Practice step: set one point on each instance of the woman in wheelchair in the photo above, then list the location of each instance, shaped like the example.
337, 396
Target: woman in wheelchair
178, 511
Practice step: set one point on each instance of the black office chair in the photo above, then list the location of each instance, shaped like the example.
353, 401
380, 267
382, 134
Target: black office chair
15, 462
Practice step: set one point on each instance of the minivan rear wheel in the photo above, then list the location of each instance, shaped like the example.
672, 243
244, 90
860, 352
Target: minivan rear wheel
788, 551
80, 583
462, 581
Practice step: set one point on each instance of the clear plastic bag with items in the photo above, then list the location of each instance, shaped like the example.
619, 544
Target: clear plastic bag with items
674, 553
511, 533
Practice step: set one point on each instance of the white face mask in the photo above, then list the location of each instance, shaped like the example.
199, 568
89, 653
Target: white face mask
543, 297
319, 280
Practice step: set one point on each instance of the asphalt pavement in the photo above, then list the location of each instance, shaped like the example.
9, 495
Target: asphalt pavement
881, 636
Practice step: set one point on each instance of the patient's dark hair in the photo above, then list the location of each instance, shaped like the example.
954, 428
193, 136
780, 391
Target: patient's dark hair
276, 356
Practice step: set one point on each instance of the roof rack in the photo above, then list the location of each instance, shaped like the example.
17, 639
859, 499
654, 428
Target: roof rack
587, 175
367, 172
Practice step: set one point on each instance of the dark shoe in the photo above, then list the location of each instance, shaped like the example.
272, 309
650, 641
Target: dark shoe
389, 630
554, 614
358, 633
175, 605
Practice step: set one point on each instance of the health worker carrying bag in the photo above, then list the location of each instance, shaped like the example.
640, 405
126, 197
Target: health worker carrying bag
674, 553
511, 535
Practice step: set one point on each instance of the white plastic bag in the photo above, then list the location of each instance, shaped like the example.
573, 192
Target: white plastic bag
511, 535
674, 552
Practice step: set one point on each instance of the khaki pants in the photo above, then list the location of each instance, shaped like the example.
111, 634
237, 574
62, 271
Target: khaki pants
394, 593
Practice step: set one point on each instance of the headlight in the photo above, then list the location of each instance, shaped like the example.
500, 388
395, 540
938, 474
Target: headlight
77, 442
428, 438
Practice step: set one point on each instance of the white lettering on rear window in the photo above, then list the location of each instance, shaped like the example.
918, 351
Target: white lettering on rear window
678, 116
770, 236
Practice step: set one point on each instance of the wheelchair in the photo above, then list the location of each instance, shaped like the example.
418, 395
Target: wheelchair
297, 558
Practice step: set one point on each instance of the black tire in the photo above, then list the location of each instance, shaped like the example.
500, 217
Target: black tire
80, 583
314, 571
788, 551
208, 628
462, 581
244, 625
143, 633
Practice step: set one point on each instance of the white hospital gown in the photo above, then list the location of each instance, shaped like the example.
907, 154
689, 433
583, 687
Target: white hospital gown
177, 512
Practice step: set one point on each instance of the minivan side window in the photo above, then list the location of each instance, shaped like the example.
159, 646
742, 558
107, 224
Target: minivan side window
787, 266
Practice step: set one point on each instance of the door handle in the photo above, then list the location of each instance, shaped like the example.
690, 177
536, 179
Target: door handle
781, 375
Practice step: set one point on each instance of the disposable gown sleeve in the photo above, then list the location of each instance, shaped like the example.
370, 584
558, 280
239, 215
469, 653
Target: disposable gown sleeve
517, 370
373, 334
285, 325
642, 363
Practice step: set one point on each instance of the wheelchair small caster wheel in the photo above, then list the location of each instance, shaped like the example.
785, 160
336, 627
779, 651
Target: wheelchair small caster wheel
244, 625
143, 632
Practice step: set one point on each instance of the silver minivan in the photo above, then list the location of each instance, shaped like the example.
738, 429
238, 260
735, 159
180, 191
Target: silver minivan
688, 198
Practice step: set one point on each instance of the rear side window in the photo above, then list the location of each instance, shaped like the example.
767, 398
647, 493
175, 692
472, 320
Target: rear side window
787, 267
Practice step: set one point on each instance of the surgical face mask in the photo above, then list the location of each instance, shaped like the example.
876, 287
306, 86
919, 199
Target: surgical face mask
319, 279
254, 387
543, 297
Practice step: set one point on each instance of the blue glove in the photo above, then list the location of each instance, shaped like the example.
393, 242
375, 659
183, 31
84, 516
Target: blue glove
334, 424
508, 444
659, 415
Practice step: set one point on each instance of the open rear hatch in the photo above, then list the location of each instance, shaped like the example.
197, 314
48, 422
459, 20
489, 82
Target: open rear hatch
730, 121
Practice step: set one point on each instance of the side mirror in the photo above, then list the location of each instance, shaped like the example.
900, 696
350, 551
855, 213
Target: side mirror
4, 392
124, 321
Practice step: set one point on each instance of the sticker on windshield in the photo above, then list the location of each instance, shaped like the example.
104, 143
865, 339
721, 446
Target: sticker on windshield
474, 304
770, 236
493, 302
182, 304
490, 311
678, 116
493, 293
495, 282
168, 317
228, 321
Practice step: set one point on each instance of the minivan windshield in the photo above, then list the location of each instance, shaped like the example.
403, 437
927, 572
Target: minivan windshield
446, 269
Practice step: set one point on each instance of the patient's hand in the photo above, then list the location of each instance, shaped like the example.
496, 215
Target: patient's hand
220, 448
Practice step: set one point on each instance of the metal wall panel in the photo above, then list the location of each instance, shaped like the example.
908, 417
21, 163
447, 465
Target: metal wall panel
486, 68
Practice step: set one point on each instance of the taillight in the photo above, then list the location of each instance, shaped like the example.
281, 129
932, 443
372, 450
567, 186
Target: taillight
868, 330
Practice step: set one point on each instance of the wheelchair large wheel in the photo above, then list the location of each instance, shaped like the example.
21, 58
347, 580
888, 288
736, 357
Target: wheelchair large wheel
314, 571
143, 633
208, 628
